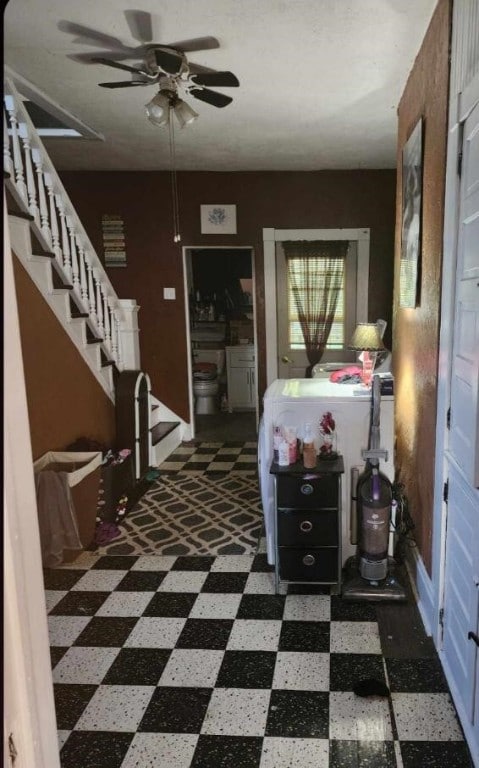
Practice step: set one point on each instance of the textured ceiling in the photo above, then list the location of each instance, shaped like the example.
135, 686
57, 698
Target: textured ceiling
320, 80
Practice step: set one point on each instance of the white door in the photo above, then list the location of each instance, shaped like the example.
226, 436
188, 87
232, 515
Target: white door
461, 579
292, 359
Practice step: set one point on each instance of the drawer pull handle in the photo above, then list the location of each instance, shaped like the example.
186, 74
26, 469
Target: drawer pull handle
309, 560
307, 489
473, 636
306, 526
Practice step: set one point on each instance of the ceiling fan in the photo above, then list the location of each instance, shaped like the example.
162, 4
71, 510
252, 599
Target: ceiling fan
163, 65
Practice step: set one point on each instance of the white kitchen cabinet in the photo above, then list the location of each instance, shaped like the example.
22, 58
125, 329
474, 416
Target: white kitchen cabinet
241, 378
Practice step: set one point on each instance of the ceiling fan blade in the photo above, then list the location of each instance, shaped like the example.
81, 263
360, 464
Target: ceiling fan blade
196, 44
117, 65
220, 79
140, 24
210, 97
89, 36
122, 84
169, 60
86, 58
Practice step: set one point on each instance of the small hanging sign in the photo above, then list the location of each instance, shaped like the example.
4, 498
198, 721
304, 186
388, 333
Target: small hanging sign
113, 240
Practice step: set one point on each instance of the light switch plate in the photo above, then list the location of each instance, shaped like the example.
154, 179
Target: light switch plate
169, 293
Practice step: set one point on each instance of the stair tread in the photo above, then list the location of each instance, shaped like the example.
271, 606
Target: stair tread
21, 215
162, 429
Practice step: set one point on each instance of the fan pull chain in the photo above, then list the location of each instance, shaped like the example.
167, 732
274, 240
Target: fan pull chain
174, 183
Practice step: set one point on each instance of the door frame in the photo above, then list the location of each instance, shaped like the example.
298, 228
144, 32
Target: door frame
187, 251
270, 237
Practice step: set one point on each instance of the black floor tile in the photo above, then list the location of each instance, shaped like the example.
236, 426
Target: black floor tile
79, 604
260, 564
198, 465
141, 581
344, 610
304, 636
261, 607
106, 631
61, 578
347, 669
308, 589
225, 582
362, 754
193, 563
416, 676
171, 604
95, 749
176, 710
435, 754
205, 633
56, 653
137, 666
70, 701
247, 669
227, 751
298, 714
402, 633
115, 562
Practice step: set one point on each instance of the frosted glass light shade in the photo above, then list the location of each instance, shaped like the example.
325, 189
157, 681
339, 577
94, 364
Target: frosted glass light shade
184, 113
158, 110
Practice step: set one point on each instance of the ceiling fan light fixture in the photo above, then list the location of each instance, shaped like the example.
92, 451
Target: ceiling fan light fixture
184, 113
158, 110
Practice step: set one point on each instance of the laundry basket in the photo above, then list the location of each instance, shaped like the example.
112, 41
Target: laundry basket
67, 503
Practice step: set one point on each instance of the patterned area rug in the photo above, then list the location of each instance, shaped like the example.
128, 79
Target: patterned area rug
189, 513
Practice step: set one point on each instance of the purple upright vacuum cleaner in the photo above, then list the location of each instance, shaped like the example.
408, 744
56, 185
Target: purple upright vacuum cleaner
370, 575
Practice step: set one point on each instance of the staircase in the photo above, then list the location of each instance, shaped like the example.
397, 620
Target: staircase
50, 241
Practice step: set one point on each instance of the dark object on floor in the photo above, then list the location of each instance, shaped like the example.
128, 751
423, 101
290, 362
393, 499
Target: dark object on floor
370, 687
106, 532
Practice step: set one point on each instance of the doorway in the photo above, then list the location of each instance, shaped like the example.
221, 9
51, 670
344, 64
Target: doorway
220, 323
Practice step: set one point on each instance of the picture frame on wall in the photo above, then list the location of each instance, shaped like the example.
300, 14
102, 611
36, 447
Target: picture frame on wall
411, 234
218, 219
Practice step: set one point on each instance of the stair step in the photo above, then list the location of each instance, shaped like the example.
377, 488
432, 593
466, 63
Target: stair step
162, 429
20, 214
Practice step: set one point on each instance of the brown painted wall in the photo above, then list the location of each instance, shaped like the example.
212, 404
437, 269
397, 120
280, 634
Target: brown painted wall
64, 399
263, 199
416, 331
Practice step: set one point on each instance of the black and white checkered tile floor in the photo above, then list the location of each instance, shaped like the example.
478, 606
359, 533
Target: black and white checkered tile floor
194, 662
213, 456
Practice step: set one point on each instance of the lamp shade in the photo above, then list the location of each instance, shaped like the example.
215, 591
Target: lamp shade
158, 109
366, 337
184, 113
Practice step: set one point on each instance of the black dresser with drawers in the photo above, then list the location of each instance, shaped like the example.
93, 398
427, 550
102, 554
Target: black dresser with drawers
308, 523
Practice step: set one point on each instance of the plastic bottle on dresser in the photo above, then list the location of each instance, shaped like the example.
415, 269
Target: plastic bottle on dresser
309, 448
283, 453
277, 437
290, 434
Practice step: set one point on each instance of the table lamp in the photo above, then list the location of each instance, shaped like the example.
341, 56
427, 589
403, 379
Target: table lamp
367, 340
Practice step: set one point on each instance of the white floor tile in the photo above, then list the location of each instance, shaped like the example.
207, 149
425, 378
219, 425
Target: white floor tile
160, 750
155, 632
358, 718
307, 608
354, 637
247, 458
294, 753
221, 466
84, 560
425, 717
237, 712
232, 563
194, 667
183, 581
216, 605
99, 581
64, 630
153, 563
116, 708
254, 635
233, 450
302, 671
174, 466
62, 737
84, 665
260, 583
203, 457
53, 596
125, 604
262, 549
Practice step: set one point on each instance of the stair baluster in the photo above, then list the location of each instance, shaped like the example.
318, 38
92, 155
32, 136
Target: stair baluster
116, 339
20, 185
7, 158
91, 291
53, 220
67, 266
31, 189
44, 222
99, 302
106, 321
83, 274
74, 256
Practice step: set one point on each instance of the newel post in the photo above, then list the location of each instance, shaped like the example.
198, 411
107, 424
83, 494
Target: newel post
129, 334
